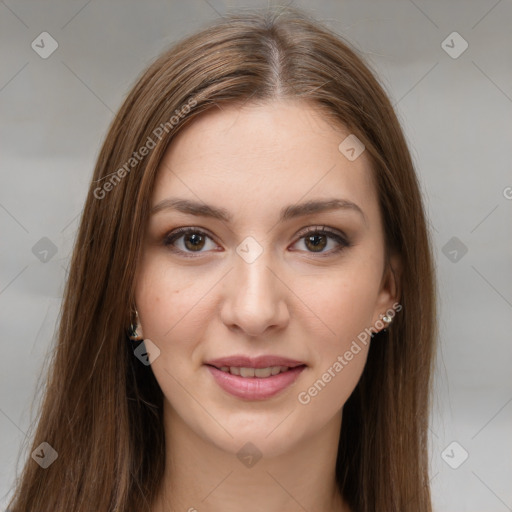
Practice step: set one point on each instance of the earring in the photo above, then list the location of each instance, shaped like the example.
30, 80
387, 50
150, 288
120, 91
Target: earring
132, 333
387, 319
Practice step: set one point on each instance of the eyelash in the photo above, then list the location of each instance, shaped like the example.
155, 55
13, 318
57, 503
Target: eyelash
324, 230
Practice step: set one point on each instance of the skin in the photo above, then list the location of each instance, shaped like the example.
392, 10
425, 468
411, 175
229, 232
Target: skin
291, 301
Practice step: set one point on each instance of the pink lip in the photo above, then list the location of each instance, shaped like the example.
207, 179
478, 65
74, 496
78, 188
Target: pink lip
254, 362
255, 388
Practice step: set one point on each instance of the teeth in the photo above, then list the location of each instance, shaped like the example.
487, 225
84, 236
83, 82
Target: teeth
263, 372
245, 372
254, 372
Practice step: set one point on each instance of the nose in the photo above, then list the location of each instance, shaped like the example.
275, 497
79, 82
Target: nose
255, 298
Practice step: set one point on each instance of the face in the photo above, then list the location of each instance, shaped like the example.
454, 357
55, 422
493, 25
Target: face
259, 278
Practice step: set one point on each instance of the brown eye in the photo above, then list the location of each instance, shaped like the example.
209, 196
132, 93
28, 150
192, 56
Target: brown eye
317, 239
194, 241
315, 242
188, 240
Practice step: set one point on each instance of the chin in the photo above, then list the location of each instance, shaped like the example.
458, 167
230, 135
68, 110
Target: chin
271, 437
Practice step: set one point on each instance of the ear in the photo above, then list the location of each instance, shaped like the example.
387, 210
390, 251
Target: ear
138, 327
389, 292
139, 330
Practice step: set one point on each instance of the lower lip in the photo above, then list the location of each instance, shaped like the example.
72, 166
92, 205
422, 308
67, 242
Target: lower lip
255, 388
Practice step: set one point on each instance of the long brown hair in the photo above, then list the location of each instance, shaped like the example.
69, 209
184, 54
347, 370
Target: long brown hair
102, 408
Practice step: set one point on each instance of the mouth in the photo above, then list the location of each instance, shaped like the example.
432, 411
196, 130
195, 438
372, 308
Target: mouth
254, 378
259, 373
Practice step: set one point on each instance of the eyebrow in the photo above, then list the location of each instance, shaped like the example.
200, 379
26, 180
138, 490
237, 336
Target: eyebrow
288, 212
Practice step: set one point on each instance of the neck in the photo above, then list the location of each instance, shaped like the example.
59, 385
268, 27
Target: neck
201, 476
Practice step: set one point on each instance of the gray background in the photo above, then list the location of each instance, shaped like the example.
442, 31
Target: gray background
456, 113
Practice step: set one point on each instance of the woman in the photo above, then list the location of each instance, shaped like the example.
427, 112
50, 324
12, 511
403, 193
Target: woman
255, 218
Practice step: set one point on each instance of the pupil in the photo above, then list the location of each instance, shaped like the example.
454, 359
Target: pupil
195, 240
320, 242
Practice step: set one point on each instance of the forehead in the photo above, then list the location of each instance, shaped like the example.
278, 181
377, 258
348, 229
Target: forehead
276, 152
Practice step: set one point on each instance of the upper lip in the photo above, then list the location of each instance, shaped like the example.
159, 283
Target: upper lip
240, 361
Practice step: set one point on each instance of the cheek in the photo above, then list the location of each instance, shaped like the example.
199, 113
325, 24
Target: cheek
328, 389
172, 316
339, 356
345, 304
170, 303
344, 301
